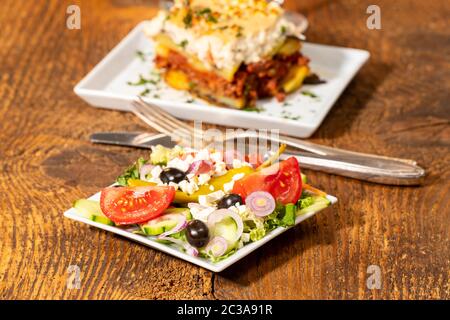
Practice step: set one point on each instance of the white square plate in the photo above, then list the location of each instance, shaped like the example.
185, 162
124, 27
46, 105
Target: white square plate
174, 251
301, 114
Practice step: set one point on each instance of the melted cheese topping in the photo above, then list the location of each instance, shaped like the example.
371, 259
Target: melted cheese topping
226, 33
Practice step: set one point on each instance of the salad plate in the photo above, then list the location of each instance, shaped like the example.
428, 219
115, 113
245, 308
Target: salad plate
128, 70
240, 209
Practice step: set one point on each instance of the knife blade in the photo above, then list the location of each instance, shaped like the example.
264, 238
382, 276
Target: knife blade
132, 139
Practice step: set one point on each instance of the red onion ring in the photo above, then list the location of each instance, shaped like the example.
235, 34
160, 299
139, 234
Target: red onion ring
221, 214
217, 246
144, 171
190, 250
182, 223
261, 203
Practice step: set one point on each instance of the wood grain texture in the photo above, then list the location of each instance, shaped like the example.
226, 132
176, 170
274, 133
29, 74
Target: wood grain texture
397, 105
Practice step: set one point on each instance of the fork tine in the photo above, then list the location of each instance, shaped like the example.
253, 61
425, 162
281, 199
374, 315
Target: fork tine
149, 120
160, 120
189, 135
164, 114
161, 124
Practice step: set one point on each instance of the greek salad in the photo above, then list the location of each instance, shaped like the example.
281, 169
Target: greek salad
206, 202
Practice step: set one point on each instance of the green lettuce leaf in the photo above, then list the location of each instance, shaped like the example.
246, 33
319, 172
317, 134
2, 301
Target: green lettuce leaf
131, 172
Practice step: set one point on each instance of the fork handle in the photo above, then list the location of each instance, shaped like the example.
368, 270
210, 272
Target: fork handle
379, 171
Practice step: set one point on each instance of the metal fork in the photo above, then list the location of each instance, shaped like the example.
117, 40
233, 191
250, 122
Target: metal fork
368, 167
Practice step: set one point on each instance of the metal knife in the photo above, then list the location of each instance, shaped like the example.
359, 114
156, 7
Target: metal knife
371, 168
132, 139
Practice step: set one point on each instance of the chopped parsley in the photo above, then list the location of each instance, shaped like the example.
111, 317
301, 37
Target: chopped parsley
142, 81
253, 109
187, 20
183, 43
140, 55
289, 116
204, 11
309, 94
207, 14
283, 29
239, 32
145, 92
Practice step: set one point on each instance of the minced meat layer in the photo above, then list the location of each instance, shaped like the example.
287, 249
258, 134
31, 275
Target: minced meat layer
252, 81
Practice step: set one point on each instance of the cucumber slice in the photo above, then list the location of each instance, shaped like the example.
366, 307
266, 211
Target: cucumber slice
90, 209
158, 226
165, 222
318, 204
184, 211
227, 229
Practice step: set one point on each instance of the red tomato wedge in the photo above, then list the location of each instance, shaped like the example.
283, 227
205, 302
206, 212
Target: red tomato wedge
282, 180
130, 205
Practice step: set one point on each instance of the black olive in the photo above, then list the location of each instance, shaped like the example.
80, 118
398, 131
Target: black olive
197, 233
172, 175
229, 201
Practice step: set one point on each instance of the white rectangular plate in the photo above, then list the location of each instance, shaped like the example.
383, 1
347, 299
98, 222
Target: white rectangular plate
300, 115
174, 251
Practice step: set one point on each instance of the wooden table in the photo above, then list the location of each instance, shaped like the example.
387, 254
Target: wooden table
398, 105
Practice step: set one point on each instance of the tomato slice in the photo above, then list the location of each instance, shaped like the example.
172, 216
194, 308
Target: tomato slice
282, 180
130, 205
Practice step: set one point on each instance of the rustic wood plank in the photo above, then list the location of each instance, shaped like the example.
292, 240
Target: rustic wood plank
397, 105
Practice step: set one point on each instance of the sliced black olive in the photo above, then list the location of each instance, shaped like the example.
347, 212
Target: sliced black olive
197, 233
172, 175
229, 201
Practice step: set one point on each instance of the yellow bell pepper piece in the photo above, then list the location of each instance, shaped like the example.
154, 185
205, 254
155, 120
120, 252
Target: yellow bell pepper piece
216, 182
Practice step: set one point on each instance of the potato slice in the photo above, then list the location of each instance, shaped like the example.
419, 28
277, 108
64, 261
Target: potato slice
290, 46
177, 79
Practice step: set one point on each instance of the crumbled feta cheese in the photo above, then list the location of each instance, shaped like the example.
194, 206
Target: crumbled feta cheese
200, 212
211, 187
189, 159
179, 164
188, 187
245, 237
202, 155
156, 171
209, 199
216, 157
228, 187
238, 176
237, 163
203, 178
220, 168
173, 184
192, 178
242, 209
